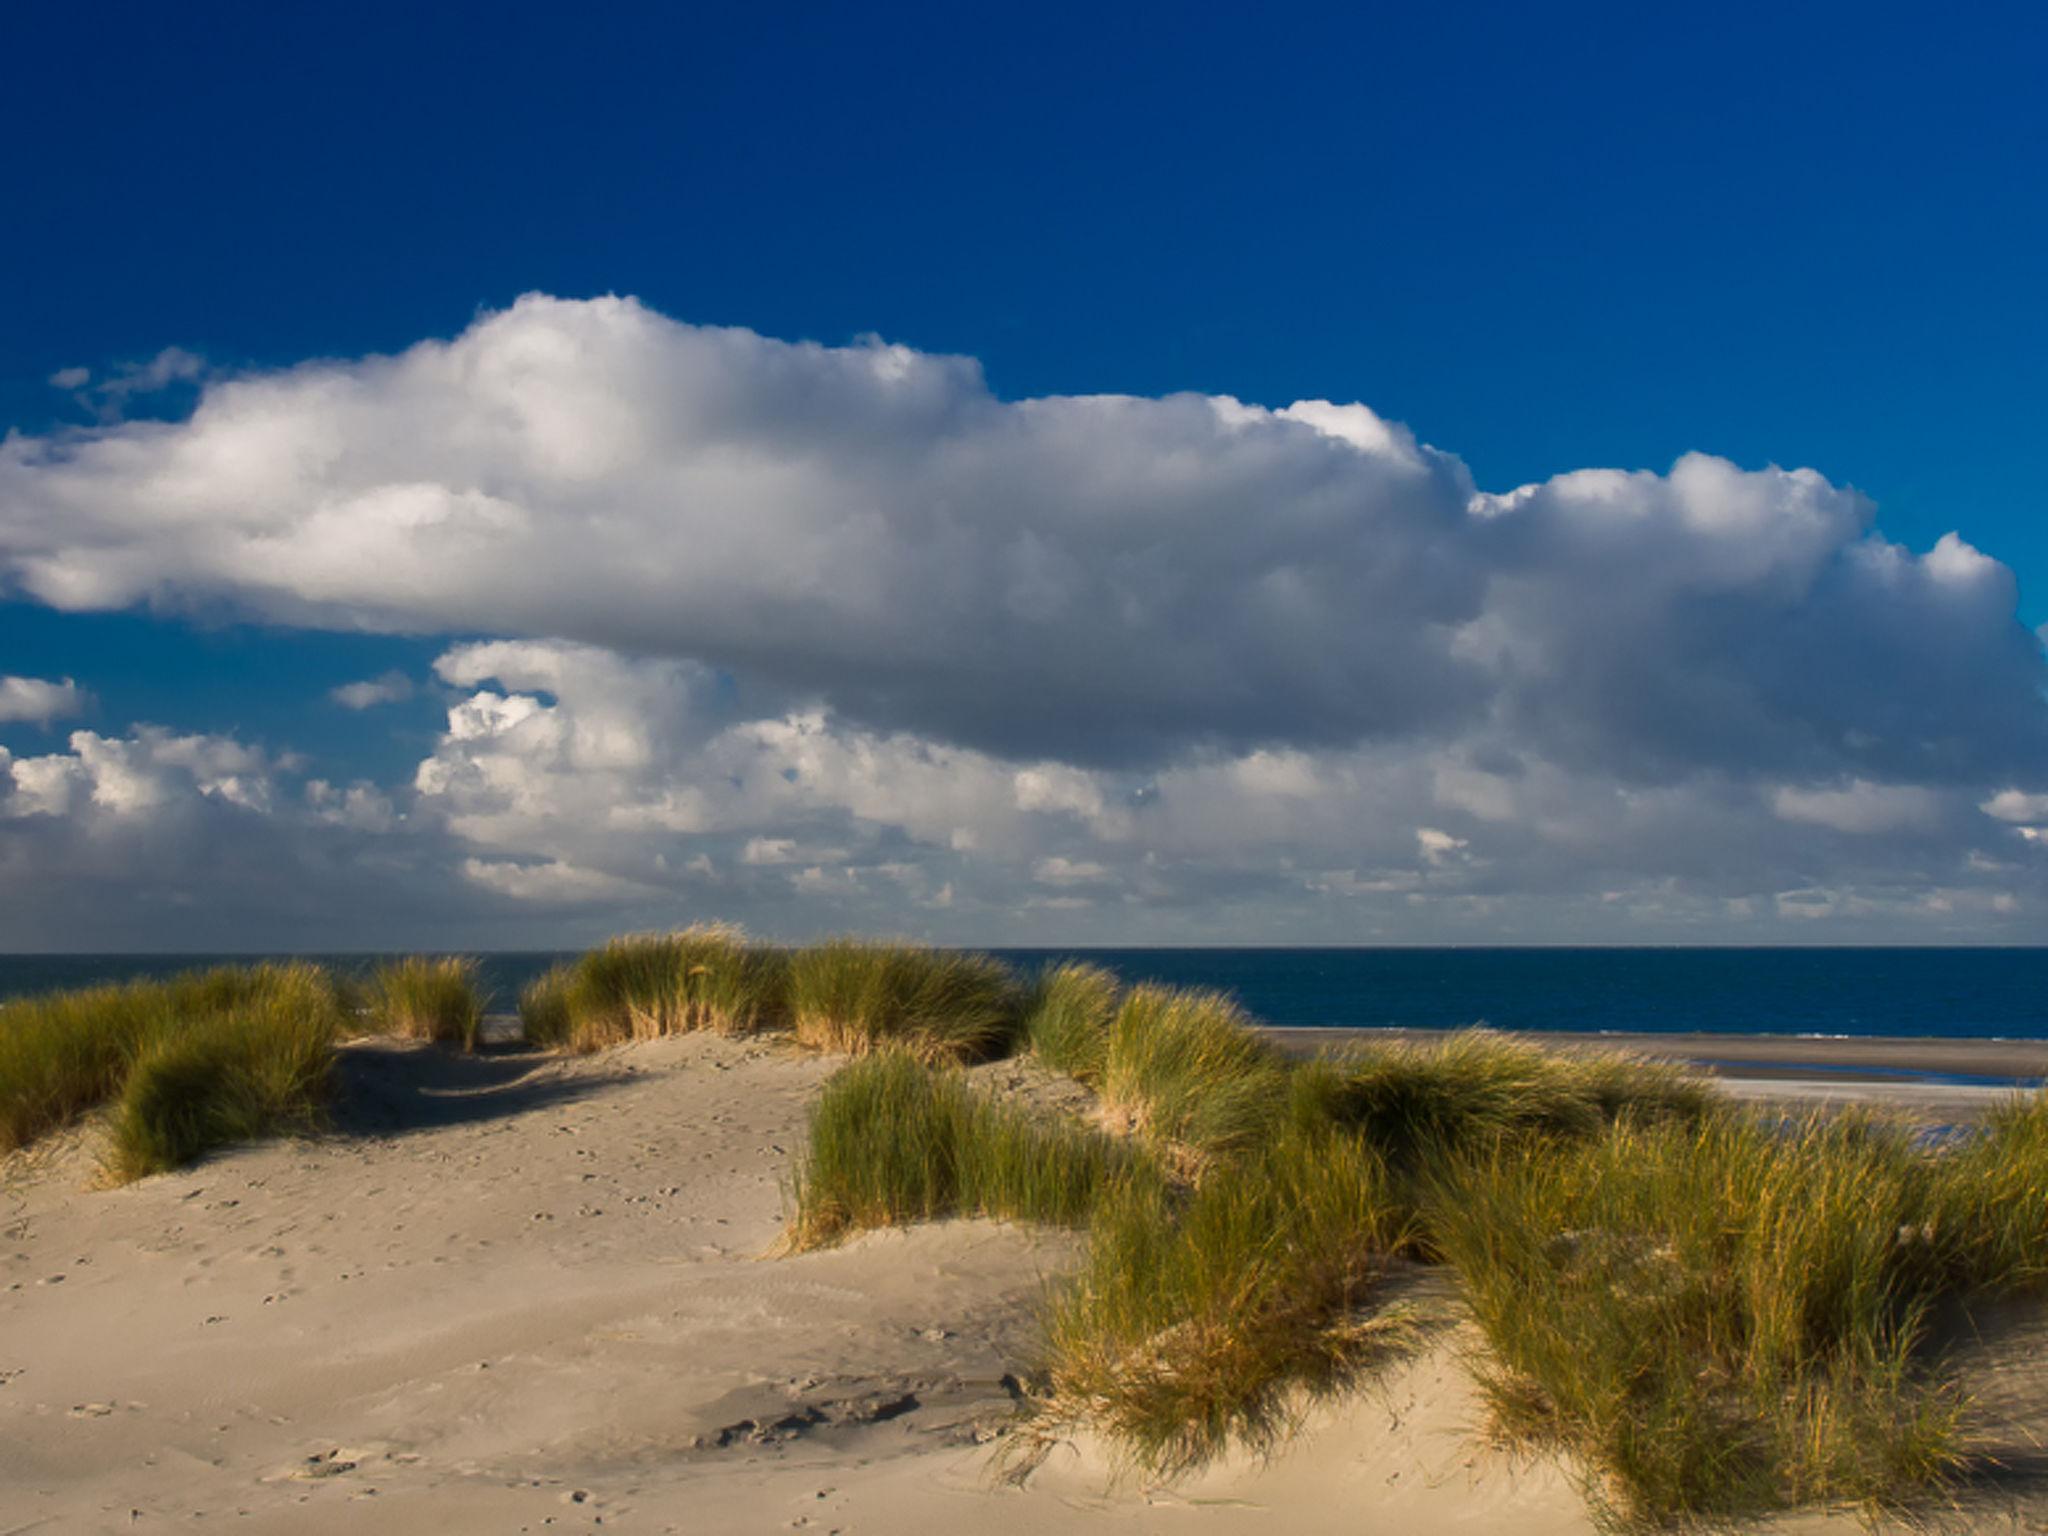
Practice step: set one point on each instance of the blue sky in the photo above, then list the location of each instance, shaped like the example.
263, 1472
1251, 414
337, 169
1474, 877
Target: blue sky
1544, 239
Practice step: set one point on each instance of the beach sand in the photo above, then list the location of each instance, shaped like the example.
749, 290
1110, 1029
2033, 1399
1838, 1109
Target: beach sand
526, 1293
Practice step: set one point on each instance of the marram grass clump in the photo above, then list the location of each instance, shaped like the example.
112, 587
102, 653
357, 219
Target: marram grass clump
1988, 1209
66, 1054
424, 998
894, 1141
1186, 1071
255, 1070
1067, 1018
1716, 1313
1721, 1318
845, 995
856, 995
644, 986
1418, 1101
1215, 1316
547, 1017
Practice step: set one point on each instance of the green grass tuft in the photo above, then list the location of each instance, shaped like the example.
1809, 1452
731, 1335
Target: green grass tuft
258, 1069
1988, 1210
546, 1016
1415, 1101
893, 1141
422, 998
1067, 1018
1186, 1071
1722, 1318
1205, 1318
854, 995
65, 1054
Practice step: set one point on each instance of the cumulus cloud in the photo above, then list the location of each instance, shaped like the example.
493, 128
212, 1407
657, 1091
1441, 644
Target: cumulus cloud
38, 701
2017, 805
1098, 578
791, 628
390, 688
158, 839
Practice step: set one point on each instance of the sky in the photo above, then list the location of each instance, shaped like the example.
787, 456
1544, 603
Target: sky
1130, 474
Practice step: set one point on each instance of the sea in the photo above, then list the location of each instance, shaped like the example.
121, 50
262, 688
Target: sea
2001, 993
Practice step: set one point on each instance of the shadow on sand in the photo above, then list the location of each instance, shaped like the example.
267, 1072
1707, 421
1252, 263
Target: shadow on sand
390, 1088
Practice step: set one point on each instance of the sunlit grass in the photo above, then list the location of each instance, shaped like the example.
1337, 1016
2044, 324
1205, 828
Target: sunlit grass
857, 995
1067, 1018
1721, 1318
1212, 1317
645, 986
893, 1141
423, 998
1717, 1314
1186, 1071
1417, 1100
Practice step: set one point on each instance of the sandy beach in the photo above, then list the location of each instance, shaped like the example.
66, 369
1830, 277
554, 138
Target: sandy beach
519, 1292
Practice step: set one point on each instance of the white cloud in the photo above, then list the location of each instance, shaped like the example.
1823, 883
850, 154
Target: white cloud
2016, 805
1084, 580
136, 775
1060, 870
1438, 846
1858, 807
554, 883
40, 701
390, 688
788, 624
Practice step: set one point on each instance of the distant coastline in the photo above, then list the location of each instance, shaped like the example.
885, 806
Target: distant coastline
1995, 994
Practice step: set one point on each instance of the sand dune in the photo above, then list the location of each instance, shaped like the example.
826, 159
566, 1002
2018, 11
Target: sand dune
519, 1293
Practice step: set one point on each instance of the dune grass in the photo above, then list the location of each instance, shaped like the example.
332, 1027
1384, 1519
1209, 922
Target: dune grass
424, 998
1419, 1102
1717, 1314
894, 1141
854, 995
1215, 1315
65, 1054
546, 1016
1186, 1072
844, 995
1988, 1209
258, 1068
1721, 1318
644, 986
1067, 1018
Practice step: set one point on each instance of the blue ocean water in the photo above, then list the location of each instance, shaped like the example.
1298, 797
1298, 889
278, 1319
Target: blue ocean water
1941, 992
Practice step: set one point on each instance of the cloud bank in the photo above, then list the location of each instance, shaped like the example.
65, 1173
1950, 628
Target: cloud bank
821, 636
